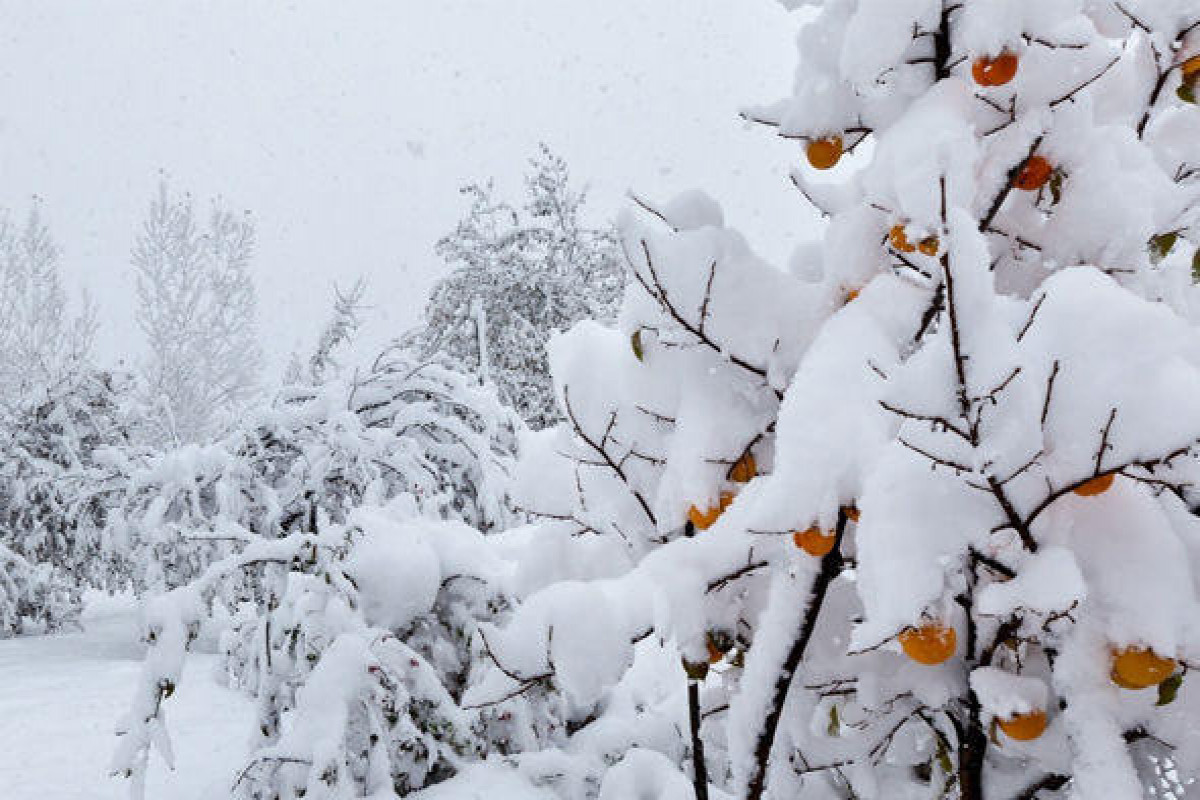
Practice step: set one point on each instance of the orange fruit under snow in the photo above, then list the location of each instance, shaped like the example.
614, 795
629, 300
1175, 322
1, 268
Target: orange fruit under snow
1191, 67
1034, 174
814, 541
703, 520
929, 644
824, 153
1097, 485
1140, 668
851, 513
744, 469
899, 241
1024, 727
988, 71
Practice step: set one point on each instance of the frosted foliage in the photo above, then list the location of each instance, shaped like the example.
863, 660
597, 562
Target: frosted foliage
196, 307
518, 275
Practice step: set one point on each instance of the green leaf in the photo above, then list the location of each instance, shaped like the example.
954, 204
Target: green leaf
1196, 266
834, 727
1187, 92
1056, 184
943, 757
1161, 245
636, 341
1168, 689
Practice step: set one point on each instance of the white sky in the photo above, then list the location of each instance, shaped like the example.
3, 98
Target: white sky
346, 127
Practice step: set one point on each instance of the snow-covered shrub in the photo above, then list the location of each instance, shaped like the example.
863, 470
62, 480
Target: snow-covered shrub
917, 515
56, 488
33, 597
408, 427
518, 275
344, 619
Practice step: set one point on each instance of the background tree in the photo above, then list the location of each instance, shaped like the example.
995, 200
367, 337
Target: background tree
42, 343
57, 412
519, 274
197, 310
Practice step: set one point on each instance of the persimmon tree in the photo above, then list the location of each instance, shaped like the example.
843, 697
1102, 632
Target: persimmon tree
966, 569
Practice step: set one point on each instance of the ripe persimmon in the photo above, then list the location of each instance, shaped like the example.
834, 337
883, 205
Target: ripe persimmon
929, 246
929, 644
1033, 174
851, 513
824, 153
814, 541
988, 71
1098, 485
703, 520
851, 296
744, 469
1191, 68
1140, 668
899, 240
1024, 727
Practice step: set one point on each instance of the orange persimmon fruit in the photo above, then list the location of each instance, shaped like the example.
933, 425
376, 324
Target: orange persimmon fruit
744, 469
929, 644
824, 153
988, 71
1098, 485
1034, 174
703, 520
1024, 727
1140, 668
814, 541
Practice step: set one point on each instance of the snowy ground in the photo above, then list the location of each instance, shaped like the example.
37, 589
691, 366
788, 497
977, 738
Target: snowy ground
61, 695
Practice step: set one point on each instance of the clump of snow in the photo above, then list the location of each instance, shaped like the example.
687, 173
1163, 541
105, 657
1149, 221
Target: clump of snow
397, 571
1004, 693
645, 775
693, 209
1048, 581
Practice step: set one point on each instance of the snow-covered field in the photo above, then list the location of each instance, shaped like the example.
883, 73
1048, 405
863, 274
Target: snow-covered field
61, 695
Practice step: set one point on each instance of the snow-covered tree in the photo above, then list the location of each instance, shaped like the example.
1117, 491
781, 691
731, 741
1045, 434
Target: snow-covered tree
346, 528
42, 343
197, 309
967, 566
518, 275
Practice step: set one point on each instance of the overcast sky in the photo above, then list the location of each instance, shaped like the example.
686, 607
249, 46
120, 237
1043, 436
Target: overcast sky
346, 127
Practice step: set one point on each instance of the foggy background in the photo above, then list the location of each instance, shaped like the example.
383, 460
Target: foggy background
347, 128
